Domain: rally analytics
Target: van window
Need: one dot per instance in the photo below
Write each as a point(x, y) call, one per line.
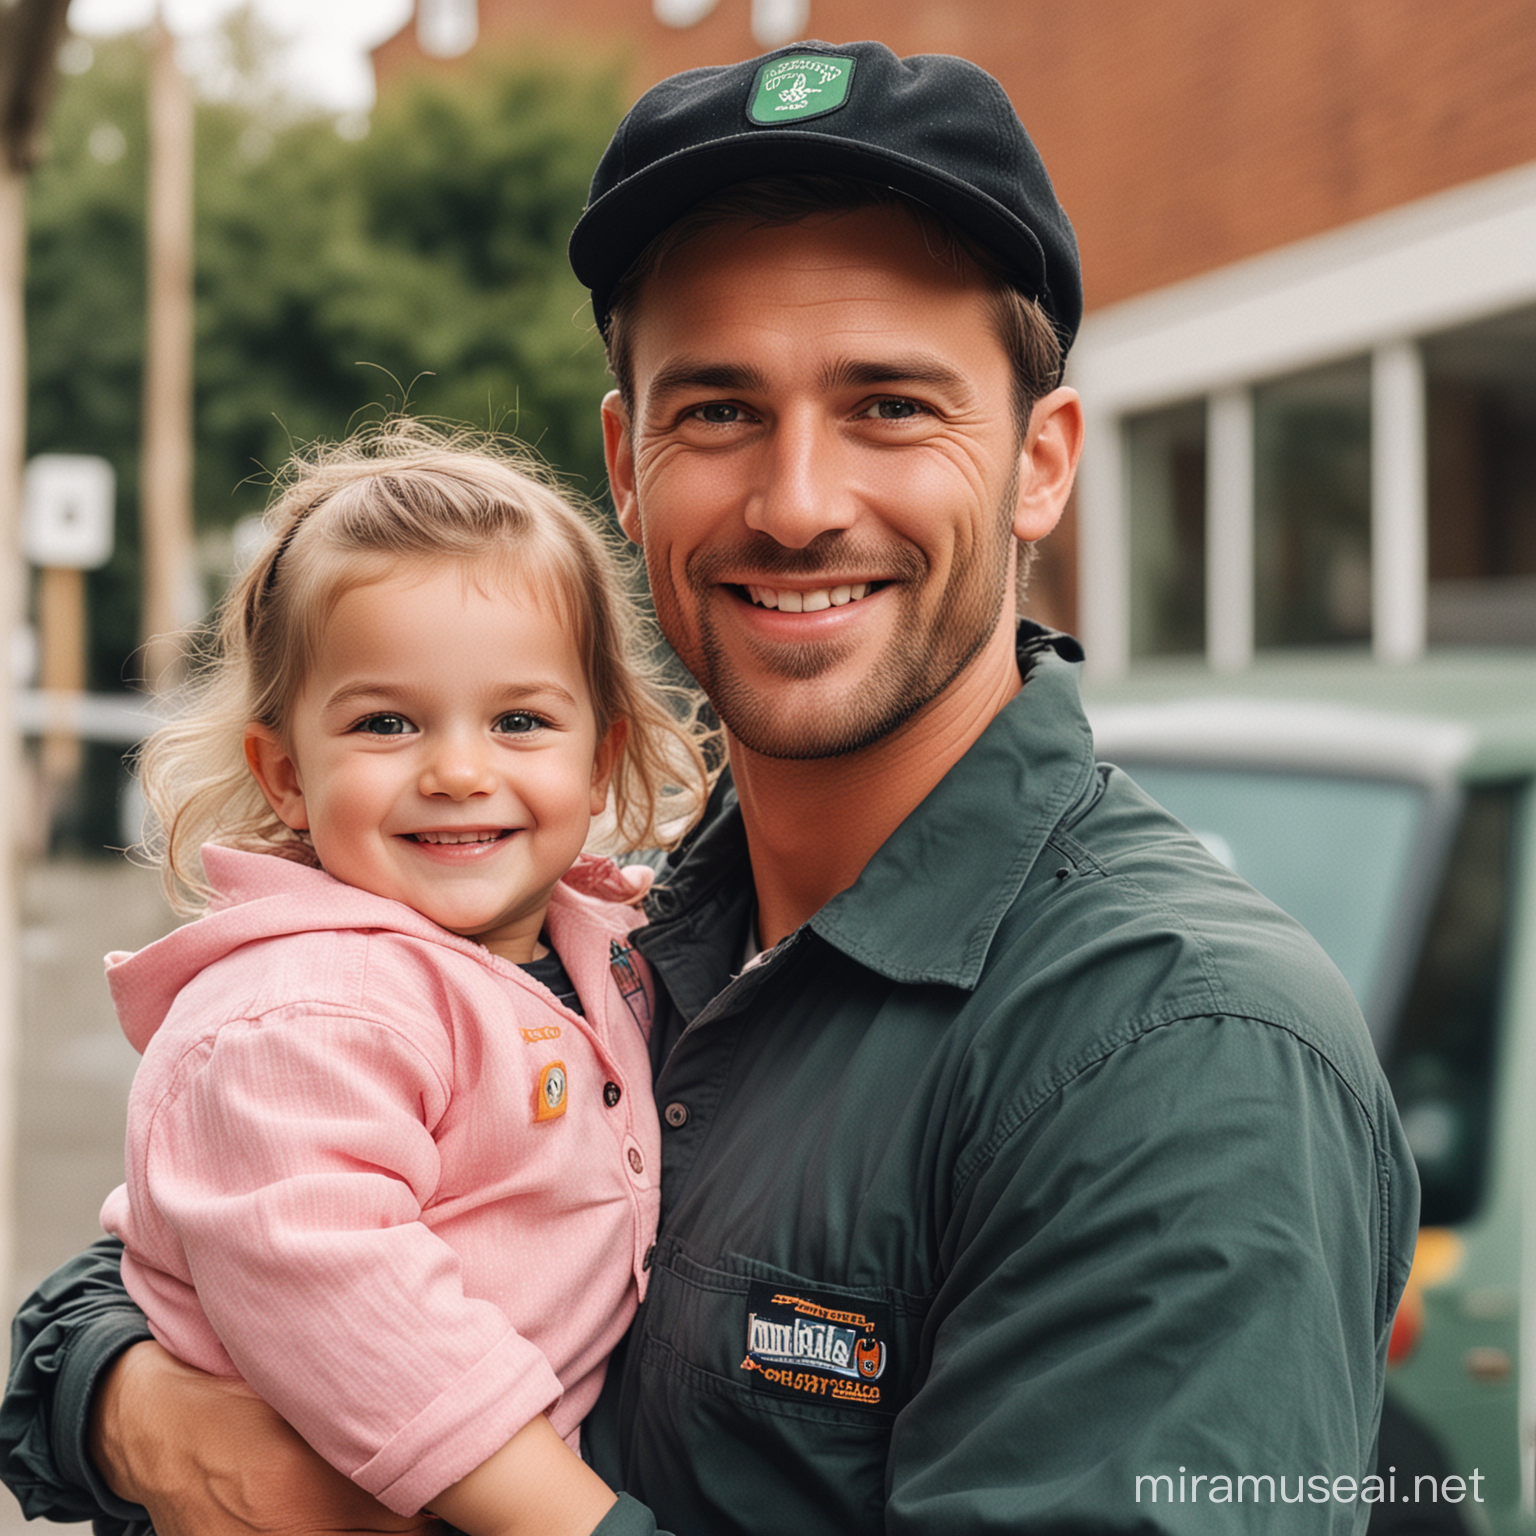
point(1441, 1058)
point(1331, 850)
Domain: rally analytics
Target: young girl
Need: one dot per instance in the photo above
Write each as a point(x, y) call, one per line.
point(392, 1150)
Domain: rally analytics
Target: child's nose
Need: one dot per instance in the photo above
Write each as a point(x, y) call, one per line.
point(458, 768)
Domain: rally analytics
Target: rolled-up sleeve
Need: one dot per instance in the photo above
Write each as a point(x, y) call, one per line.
point(64, 1338)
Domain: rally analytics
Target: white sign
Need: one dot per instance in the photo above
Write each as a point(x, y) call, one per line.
point(67, 505)
point(445, 29)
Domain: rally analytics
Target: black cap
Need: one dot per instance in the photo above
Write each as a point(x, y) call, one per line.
point(940, 129)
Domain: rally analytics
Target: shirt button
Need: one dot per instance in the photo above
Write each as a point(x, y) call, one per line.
point(650, 1253)
point(675, 1115)
point(612, 1093)
point(636, 1161)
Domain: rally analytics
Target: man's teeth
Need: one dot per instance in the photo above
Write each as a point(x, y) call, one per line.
point(456, 837)
point(808, 602)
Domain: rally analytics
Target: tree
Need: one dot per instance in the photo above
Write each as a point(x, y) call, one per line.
point(433, 249)
point(426, 261)
point(85, 312)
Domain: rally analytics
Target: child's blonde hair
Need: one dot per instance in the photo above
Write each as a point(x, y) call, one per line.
point(344, 516)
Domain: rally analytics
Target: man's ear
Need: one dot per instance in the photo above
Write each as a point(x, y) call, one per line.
point(276, 775)
point(604, 761)
point(1048, 463)
point(619, 451)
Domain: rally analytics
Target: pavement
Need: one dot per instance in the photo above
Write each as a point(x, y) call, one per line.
point(75, 1066)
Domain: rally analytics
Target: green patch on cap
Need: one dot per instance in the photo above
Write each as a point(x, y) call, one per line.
point(801, 85)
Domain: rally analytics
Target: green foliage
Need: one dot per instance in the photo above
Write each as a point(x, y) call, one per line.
point(85, 313)
point(424, 262)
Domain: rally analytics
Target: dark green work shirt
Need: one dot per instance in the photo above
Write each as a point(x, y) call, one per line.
point(1046, 1157)
point(1045, 1164)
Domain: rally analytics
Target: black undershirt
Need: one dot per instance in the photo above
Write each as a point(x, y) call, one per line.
point(551, 973)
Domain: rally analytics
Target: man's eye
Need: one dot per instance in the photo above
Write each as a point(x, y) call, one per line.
point(384, 725)
point(894, 410)
point(718, 413)
point(519, 722)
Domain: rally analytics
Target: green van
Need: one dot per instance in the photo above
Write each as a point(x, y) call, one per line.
point(1392, 810)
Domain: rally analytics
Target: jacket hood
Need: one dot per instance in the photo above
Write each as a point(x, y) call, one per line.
point(262, 896)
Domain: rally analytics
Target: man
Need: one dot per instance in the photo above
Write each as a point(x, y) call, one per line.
point(1020, 1164)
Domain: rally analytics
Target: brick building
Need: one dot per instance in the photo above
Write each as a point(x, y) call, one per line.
point(1309, 248)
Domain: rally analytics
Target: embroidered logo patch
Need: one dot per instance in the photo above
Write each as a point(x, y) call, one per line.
point(832, 1351)
point(803, 85)
point(549, 1096)
point(543, 1032)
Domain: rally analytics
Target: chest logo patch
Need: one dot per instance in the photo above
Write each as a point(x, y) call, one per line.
point(832, 1350)
point(549, 1096)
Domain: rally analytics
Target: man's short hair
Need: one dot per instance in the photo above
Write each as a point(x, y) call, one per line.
point(1034, 349)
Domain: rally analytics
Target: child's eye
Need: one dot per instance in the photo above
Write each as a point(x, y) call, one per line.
point(384, 725)
point(519, 722)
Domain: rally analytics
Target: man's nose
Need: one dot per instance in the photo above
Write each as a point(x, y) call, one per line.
point(804, 489)
point(459, 767)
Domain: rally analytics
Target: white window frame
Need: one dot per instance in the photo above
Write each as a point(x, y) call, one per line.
point(1371, 287)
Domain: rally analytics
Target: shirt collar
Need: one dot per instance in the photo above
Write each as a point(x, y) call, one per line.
point(928, 903)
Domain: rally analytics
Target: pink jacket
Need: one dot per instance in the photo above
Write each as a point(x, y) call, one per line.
point(382, 1174)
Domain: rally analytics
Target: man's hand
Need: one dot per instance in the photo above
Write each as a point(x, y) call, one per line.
point(207, 1457)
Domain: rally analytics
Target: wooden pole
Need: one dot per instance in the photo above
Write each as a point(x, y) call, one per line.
point(165, 490)
point(13, 395)
point(61, 641)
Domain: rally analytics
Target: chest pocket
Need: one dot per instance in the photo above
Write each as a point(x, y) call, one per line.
point(794, 1384)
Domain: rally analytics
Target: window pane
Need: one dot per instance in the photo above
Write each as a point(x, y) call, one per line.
point(1165, 475)
point(1481, 383)
point(1312, 507)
